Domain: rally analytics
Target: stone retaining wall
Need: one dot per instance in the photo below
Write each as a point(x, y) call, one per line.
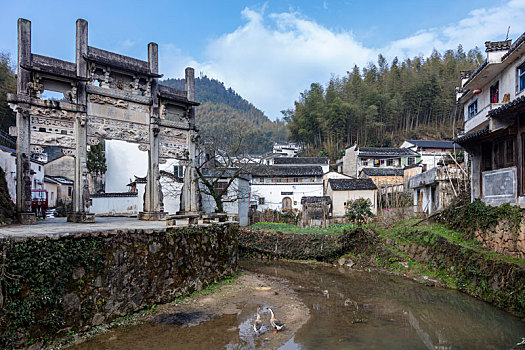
point(297, 246)
point(504, 238)
point(68, 283)
point(478, 273)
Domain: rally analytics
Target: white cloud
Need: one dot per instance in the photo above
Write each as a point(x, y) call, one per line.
point(273, 57)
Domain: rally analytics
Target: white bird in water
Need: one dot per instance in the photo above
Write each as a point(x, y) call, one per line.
point(276, 324)
point(257, 325)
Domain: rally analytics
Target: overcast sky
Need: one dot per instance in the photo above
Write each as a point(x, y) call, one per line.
point(269, 51)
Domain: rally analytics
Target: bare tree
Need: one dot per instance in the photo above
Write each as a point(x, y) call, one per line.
point(222, 160)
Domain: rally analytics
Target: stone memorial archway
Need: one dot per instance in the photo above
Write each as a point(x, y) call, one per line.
point(107, 96)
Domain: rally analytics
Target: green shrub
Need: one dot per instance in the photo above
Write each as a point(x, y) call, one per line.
point(359, 211)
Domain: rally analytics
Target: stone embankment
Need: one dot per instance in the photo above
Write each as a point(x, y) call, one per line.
point(69, 283)
point(483, 274)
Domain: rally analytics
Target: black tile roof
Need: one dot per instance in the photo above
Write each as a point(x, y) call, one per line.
point(433, 143)
point(510, 107)
point(383, 171)
point(472, 136)
point(514, 46)
point(351, 184)
point(385, 152)
point(301, 160)
point(280, 170)
point(476, 72)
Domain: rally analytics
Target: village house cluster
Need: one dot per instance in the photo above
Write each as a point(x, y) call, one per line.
point(116, 99)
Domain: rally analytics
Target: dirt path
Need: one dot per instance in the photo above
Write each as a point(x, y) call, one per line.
point(224, 317)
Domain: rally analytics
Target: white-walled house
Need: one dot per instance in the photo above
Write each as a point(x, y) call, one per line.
point(8, 164)
point(432, 152)
point(58, 189)
point(493, 98)
point(281, 187)
point(286, 149)
point(341, 191)
point(356, 158)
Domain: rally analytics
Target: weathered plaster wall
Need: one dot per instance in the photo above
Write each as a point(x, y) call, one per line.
point(63, 166)
point(73, 282)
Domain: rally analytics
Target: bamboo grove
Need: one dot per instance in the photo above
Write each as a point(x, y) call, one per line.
point(382, 104)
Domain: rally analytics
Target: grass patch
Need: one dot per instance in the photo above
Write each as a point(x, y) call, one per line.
point(427, 233)
point(289, 228)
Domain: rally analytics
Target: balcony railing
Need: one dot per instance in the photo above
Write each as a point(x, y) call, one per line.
point(480, 117)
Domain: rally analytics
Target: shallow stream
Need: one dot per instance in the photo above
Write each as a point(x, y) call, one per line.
point(348, 310)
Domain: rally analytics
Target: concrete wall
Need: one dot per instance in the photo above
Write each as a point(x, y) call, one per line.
point(273, 197)
point(94, 278)
point(350, 162)
point(63, 166)
point(52, 194)
point(340, 198)
point(117, 205)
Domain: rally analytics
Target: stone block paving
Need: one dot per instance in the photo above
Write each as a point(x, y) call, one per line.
point(57, 227)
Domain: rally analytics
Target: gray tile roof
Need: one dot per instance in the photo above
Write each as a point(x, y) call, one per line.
point(512, 106)
point(280, 170)
point(472, 136)
point(301, 160)
point(383, 171)
point(386, 152)
point(433, 143)
point(351, 184)
point(61, 179)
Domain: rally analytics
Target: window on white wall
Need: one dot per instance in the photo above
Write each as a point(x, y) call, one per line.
point(521, 77)
point(473, 109)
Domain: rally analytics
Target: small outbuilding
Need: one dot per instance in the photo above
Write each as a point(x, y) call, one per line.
point(341, 191)
point(316, 211)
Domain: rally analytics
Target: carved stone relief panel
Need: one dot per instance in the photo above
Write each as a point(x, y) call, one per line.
point(51, 113)
point(105, 100)
point(110, 129)
point(46, 139)
point(68, 152)
point(119, 109)
point(174, 113)
point(37, 149)
point(47, 131)
point(172, 151)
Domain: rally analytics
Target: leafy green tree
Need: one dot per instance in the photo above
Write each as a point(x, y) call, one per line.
point(96, 159)
point(382, 104)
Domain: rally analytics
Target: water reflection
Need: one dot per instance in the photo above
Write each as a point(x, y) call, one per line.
point(356, 310)
point(348, 310)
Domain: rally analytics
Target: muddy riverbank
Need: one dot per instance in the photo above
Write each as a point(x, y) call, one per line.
point(213, 320)
point(324, 308)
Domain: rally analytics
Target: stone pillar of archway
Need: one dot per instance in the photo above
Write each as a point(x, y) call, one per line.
point(23, 148)
point(190, 198)
point(81, 197)
point(153, 206)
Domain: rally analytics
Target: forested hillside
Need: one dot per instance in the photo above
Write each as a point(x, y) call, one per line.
point(382, 104)
point(222, 109)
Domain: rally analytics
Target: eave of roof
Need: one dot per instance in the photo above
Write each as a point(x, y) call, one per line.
point(462, 140)
point(509, 107)
point(351, 184)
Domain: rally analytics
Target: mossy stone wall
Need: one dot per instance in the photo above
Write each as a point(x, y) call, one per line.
point(59, 285)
